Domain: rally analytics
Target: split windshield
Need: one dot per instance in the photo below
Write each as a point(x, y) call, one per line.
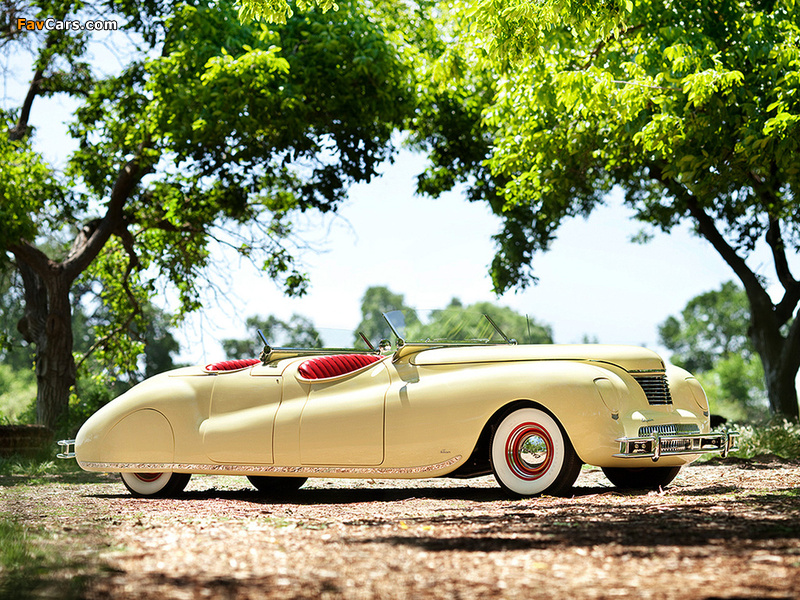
point(448, 325)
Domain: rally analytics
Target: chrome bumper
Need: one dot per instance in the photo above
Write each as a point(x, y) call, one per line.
point(656, 445)
point(67, 449)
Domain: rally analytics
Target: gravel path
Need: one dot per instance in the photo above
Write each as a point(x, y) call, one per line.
point(728, 530)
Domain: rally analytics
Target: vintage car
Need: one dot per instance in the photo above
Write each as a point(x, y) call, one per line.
point(529, 414)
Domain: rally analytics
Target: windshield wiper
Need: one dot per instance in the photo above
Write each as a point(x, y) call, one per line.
point(498, 330)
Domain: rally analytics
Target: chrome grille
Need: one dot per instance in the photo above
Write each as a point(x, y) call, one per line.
point(671, 429)
point(655, 388)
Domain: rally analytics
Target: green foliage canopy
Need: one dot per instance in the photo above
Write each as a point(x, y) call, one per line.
point(691, 108)
point(213, 132)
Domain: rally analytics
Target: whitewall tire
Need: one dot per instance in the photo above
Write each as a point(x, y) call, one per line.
point(531, 454)
point(157, 485)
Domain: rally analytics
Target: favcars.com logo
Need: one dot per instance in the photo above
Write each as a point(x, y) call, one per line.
point(69, 25)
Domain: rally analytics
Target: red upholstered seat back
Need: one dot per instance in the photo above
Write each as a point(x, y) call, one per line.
point(323, 367)
point(232, 365)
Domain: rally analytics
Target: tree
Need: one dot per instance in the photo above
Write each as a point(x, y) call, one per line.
point(98, 378)
point(297, 332)
point(456, 322)
point(512, 25)
point(711, 327)
point(709, 338)
point(376, 301)
point(691, 108)
point(213, 132)
point(459, 322)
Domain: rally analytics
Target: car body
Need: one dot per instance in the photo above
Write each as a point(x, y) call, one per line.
point(530, 414)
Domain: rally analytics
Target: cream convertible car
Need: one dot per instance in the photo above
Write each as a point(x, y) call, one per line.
point(530, 414)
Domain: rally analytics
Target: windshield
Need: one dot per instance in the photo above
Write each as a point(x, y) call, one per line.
point(449, 325)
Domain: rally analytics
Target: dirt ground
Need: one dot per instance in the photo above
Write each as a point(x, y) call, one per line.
point(725, 530)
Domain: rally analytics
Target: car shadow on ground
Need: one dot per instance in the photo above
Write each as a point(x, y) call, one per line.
point(356, 495)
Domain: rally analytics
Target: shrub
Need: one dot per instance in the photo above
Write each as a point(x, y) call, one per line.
point(778, 437)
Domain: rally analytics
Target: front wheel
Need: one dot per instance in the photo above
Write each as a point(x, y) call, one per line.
point(648, 478)
point(531, 454)
point(155, 485)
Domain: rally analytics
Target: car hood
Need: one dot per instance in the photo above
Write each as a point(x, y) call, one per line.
point(630, 358)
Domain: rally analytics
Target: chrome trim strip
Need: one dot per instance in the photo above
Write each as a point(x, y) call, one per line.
point(307, 470)
point(669, 429)
point(657, 444)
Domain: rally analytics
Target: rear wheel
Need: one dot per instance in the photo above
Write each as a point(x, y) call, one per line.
point(648, 478)
point(276, 485)
point(531, 454)
point(155, 485)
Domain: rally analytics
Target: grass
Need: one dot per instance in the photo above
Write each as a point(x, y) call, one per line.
point(39, 561)
point(24, 471)
point(17, 393)
point(30, 566)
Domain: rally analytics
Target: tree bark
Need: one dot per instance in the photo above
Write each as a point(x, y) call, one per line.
point(47, 324)
point(780, 357)
point(779, 353)
point(55, 365)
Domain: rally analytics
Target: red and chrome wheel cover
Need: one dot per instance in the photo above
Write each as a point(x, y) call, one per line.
point(148, 477)
point(529, 451)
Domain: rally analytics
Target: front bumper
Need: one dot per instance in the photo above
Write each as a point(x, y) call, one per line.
point(657, 444)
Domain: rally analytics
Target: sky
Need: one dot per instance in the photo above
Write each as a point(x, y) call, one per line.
point(592, 282)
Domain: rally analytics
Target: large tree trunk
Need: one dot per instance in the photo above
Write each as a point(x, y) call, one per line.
point(781, 391)
point(55, 365)
point(780, 357)
point(47, 324)
point(779, 354)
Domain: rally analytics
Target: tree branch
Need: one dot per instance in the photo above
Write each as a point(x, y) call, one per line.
point(602, 44)
point(18, 132)
point(708, 229)
point(85, 250)
point(775, 241)
point(133, 264)
point(29, 255)
point(791, 297)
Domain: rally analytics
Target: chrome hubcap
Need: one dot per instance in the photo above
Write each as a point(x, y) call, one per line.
point(529, 451)
point(533, 452)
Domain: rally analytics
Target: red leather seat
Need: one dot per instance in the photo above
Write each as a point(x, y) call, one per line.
point(232, 365)
point(323, 367)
